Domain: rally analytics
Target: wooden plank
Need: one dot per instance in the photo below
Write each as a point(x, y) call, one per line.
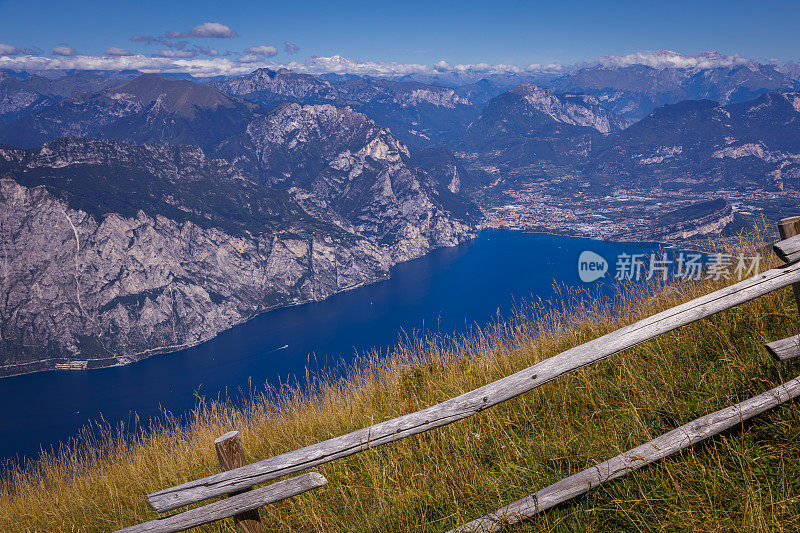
point(479, 399)
point(234, 505)
point(788, 228)
point(658, 448)
point(785, 349)
point(230, 453)
point(788, 250)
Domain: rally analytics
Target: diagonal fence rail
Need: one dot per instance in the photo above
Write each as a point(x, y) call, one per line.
point(676, 440)
point(236, 480)
point(476, 400)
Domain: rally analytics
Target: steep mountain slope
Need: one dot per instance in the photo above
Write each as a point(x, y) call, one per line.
point(22, 94)
point(148, 108)
point(357, 168)
point(112, 252)
point(445, 168)
point(634, 91)
point(529, 124)
point(535, 107)
point(702, 145)
point(417, 113)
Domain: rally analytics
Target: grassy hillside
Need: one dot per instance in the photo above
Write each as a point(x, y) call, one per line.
point(744, 480)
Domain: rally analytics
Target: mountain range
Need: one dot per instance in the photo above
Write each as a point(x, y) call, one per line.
point(143, 213)
point(703, 145)
point(133, 249)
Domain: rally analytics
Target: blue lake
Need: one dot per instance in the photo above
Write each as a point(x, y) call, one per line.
point(445, 291)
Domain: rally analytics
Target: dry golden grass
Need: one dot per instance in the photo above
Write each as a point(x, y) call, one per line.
point(743, 480)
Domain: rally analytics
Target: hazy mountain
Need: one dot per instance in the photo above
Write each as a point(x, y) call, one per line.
point(288, 146)
point(22, 93)
point(531, 124)
point(19, 95)
point(472, 75)
point(634, 91)
point(417, 113)
point(148, 108)
point(703, 145)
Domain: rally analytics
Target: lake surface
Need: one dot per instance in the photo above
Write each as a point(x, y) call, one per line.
point(446, 291)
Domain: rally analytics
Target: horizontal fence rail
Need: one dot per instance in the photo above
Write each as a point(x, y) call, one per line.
point(788, 250)
point(479, 399)
point(785, 349)
point(658, 448)
point(234, 505)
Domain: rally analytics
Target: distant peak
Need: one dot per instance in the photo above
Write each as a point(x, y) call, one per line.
point(182, 97)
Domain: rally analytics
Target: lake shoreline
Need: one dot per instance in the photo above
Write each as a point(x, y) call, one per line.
point(128, 359)
point(446, 292)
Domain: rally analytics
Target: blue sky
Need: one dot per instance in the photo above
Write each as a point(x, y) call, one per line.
point(498, 31)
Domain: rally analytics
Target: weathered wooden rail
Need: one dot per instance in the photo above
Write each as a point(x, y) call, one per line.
point(624, 463)
point(237, 478)
point(479, 399)
point(234, 505)
point(785, 349)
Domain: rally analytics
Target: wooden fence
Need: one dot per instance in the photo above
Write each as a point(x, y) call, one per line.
point(236, 477)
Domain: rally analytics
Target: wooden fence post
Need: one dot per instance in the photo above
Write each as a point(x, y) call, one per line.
point(790, 227)
point(230, 453)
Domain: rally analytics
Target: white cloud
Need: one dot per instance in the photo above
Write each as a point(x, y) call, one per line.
point(290, 48)
point(342, 65)
point(670, 59)
point(114, 51)
point(65, 51)
point(213, 30)
point(190, 61)
point(8, 50)
point(263, 51)
point(195, 66)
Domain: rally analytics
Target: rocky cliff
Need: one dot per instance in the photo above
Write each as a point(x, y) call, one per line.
point(111, 252)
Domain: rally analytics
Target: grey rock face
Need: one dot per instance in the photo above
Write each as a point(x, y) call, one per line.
point(577, 109)
point(123, 288)
point(345, 161)
point(111, 252)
